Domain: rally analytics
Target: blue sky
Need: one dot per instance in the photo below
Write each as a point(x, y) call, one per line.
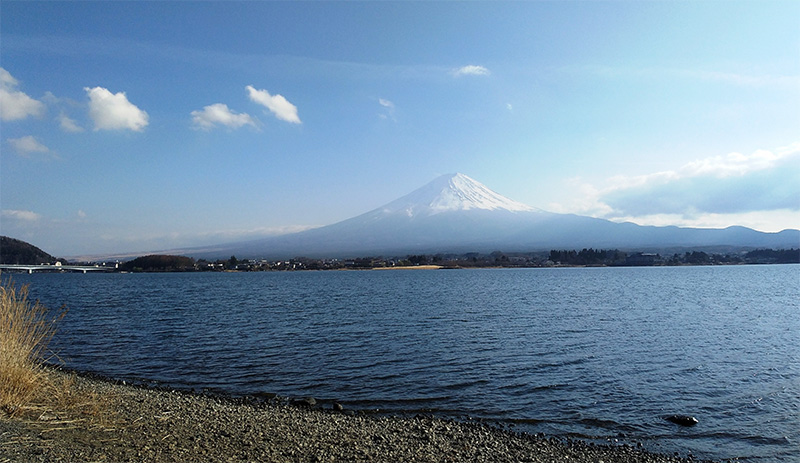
point(132, 127)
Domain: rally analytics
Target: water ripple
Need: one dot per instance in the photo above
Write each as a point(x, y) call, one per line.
point(577, 352)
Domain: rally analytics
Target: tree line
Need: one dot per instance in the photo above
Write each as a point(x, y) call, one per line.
point(563, 257)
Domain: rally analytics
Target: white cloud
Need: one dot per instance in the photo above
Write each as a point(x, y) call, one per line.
point(15, 105)
point(388, 111)
point(7, 80)
point(471, 70)
point(23, 216)
point(113, 111)
point(81, 214)
point(737, 164)
point(69, 125)
point(706, 192)
point(27, 145)
point(220, 114)
point(277, 104)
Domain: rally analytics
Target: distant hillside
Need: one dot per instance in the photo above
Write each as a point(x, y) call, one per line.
point(13, 251)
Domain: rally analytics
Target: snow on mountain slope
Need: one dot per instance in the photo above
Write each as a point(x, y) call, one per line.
point(452, 192)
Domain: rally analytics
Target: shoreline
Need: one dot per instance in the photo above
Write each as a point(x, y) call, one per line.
point(144, 424)
point(409, 267)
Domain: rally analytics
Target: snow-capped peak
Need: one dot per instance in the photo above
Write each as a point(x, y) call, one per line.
point(452, 192)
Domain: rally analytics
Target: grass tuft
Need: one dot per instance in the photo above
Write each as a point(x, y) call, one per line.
point(25, 331)
point(28, 388)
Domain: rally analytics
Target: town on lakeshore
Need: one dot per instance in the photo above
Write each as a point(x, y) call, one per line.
point(16, 255)
point(555, 258)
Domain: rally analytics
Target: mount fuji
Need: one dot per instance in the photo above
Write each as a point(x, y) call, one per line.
point(456, 214)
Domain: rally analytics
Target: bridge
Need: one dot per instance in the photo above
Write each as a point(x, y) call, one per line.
point(55, 268)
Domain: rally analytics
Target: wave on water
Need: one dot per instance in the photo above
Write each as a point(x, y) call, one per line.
point(589, 353)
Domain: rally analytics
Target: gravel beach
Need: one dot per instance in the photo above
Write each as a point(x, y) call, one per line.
point(160, 425)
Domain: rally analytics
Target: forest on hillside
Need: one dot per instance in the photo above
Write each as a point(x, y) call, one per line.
point(18, 252)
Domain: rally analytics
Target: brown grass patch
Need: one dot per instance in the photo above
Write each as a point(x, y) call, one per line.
point(29, 389)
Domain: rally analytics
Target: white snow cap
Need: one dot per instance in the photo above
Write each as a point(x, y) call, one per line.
point(453, 192)
point(463, 193)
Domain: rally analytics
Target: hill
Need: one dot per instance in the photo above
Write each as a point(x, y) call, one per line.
point(14, 251)
point(159, 263)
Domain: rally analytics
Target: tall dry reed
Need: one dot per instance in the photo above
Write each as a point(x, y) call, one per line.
point(25, 331)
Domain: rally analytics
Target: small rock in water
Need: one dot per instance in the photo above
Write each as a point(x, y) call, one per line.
point(265, 396)
point(304, 402)
point(683, 420)
point(337, 406)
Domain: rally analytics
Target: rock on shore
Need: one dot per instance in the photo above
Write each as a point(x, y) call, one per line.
point(155, 426)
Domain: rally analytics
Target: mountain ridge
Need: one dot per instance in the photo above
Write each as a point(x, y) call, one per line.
point(454, 213)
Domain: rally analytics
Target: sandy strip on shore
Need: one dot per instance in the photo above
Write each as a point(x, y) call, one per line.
point(166, 426)
point(409, 267)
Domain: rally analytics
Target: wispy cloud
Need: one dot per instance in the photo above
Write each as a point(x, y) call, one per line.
point(742, 79)
point(62, 105)
point(22, 216)
point(268, 64)
point(28, 145)
point(219, 114)
point(177, 242)
point(471, 70)
point(68, 124)
point(14, 104)
point(388, 111)
point(277, 104)
point(250, 233)
point(113, 111)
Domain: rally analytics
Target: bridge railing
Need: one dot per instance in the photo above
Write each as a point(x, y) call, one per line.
point(57, 268)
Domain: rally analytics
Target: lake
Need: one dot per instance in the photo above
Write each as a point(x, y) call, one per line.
point(592, 353)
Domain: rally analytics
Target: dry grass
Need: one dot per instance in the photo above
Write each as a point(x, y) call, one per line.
point(25, 331)
point(28, 389)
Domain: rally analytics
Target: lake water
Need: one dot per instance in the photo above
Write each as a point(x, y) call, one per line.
point(594, 353)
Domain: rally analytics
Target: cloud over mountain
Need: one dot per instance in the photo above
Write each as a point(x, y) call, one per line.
point(113, 111)
point(734, 183)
